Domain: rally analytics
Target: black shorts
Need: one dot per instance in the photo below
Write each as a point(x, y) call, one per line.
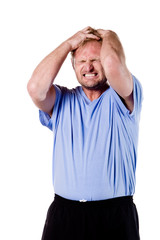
point(112, 219)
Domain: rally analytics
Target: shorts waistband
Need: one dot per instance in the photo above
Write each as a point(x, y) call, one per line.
point(107, 202)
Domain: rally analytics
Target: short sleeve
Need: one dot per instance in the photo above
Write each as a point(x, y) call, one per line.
point(137, 96)
point(45, 118)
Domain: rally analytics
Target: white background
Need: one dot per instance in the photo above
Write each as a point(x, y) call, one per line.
point(29, 31)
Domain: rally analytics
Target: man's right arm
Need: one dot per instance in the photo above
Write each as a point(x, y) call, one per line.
point(40, 86)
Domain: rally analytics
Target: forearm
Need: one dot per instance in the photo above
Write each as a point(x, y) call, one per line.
point(112, 47)
point(45, 73)
point(113, 62)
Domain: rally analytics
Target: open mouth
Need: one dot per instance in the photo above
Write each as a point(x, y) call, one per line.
point(90, 75)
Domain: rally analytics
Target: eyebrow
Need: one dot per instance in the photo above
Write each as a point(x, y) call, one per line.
point(92, 59)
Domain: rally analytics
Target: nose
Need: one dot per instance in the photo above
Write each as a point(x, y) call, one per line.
point(89, 67)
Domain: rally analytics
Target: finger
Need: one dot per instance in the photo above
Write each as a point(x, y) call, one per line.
point(103, 32)
point(100, 31)
point(88, 31)
point(92, 36)
point(86, 28)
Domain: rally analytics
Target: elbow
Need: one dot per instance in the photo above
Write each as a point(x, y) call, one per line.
point(31, 88)
point(34, 91)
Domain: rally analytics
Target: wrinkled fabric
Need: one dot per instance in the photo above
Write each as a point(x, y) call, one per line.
point(94, 143)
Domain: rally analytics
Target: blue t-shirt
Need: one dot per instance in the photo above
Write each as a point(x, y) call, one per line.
point(94, 143)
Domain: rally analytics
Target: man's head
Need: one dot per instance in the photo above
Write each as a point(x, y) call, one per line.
point(87, 65)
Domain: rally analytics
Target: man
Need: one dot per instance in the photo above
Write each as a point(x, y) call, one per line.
point(95, 128)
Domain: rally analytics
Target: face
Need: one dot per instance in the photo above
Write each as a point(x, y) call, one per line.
point(88, 67)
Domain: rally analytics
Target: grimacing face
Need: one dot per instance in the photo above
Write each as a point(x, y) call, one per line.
point(88, 67)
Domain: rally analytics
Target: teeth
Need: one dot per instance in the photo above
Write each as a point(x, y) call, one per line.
point(90, 75)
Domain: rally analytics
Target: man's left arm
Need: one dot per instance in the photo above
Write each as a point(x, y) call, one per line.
point(116, 71)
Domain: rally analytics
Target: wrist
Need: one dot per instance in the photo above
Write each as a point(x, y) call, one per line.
point(70, 44)
point(67, 45)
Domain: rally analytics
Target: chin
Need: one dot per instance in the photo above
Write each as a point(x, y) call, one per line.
point(96, 86)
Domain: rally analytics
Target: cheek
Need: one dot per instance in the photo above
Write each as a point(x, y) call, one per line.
point(98, 66)
point(78, 70)
point(99, 69)
point(78, 73)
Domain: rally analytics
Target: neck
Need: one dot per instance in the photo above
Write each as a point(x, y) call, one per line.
point(93, 94)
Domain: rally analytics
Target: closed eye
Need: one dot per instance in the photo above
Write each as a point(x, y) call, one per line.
point(95, 60)
point(81, 61)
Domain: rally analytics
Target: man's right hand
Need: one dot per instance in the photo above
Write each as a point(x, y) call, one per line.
point(77, 39)
point(40, 86)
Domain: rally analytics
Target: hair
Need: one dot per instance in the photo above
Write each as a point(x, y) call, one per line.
point(92, 31)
